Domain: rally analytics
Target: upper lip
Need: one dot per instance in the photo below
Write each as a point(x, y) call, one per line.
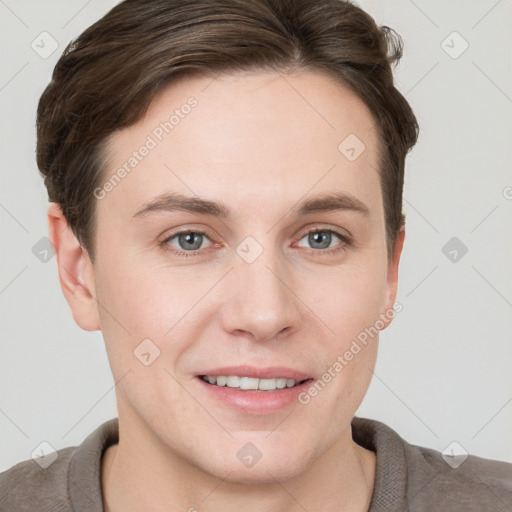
point(270, 372)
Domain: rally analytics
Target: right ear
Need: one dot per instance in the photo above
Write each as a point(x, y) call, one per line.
point(76, 273)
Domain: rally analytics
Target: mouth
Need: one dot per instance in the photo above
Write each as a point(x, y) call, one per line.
point(251, 390)
point(245, 383)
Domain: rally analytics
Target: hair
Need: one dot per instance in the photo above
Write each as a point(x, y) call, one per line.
point(107, 77)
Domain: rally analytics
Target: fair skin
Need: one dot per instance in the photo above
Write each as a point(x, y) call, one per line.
point(254, 144)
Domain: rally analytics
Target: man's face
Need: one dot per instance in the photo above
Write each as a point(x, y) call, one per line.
point(254, 294)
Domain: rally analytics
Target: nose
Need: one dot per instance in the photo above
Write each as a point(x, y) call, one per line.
point(262, 304)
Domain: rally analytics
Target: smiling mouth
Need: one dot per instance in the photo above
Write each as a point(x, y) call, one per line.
point(251, 383)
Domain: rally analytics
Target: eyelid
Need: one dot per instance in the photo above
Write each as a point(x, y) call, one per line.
point(341, 232)
point(188, 229)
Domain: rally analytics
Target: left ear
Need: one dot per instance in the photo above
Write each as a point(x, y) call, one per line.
point(392, 281)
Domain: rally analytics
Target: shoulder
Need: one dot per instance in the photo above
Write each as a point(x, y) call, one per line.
point(420, 479)
point(456, 482)
point(63, 481)
point(30, 486)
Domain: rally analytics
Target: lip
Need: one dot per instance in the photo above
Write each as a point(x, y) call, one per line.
point(255, 402)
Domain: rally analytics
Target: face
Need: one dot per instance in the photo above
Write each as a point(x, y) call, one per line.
point(244, 241)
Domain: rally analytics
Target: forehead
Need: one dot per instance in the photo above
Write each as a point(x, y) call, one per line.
point(249, 138)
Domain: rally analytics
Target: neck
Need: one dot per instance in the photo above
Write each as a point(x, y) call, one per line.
point(142, 476)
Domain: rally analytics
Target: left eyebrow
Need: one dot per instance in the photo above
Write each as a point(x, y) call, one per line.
point(169, 202)
point(332, 202)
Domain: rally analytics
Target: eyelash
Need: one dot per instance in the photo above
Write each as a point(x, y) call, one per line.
point(346, 241)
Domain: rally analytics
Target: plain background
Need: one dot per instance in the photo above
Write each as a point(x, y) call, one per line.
point(444, 367)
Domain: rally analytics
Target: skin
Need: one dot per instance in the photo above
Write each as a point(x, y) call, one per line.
point(255, 144)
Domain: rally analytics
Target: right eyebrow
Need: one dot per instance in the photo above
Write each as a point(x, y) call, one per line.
point(169, 202)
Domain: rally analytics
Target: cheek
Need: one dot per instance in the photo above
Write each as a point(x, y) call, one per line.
point(131, 307)
point(348, 299)
point(146, 300)
point(143, 302)
point(350, 306)
point(145, 312)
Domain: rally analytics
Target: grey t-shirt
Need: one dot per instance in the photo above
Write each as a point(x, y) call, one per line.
point(408, 477)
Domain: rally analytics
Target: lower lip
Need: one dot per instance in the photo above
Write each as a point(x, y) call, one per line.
point(252, 401)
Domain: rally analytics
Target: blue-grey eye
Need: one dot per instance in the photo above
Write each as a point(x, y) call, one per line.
point(321, 239)
point(188, 240)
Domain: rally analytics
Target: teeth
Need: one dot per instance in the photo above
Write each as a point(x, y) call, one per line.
point(233, 381)
point(267, 384)
point(249, 383)
point(281, 383)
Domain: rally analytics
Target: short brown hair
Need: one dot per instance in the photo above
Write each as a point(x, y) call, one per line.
point(107, 77)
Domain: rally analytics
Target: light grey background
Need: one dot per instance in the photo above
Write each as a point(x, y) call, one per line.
point(444, 368)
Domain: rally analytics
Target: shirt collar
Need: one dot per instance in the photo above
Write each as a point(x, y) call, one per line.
point(390, 489)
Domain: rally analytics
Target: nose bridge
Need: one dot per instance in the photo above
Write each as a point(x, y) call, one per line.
point(260, 302)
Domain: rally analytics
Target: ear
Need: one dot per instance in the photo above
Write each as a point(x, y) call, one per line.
point(76, 273)
point(392, 280)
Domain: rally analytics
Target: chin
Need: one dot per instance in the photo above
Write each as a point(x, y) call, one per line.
point(273, 463)
point(262, 473)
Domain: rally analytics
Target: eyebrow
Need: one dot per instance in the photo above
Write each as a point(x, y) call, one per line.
point(328, 202)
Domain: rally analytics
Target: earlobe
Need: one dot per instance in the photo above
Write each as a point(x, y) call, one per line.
point(75, 269)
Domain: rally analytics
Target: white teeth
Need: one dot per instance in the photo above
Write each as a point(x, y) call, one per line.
point(280, 383)
point(233, 381)
point(267, 384)
point(248, 383)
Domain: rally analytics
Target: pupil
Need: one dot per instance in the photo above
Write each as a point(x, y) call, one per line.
point(189, 238)
point(317, 238)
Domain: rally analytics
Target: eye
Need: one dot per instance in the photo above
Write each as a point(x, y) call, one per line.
point(322, 238)
point(185, 243)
